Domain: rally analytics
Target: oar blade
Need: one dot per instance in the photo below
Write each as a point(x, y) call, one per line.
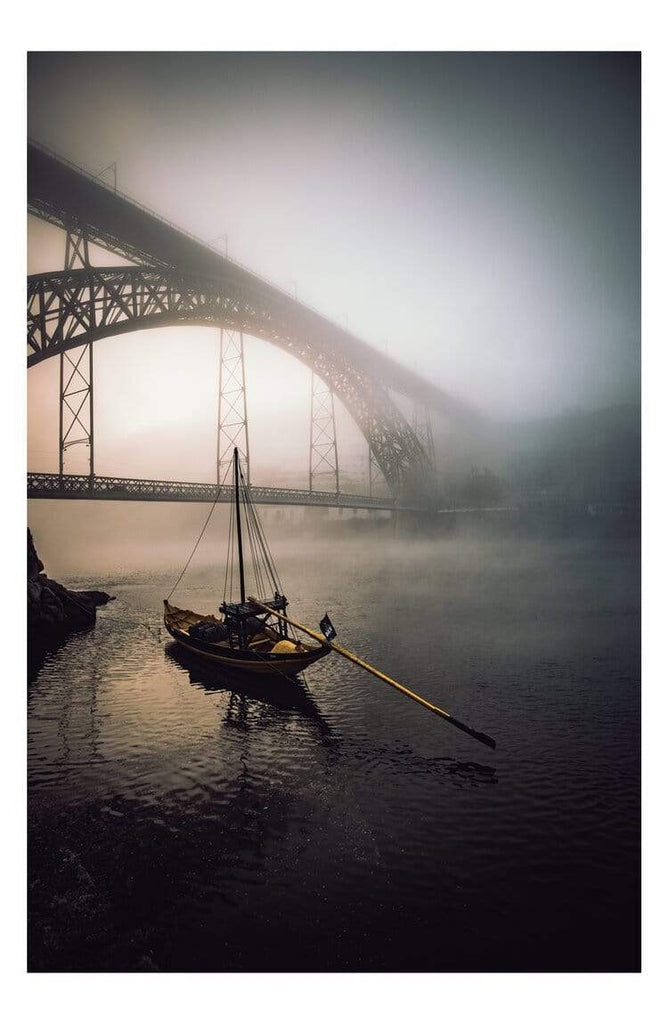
point(482, 737)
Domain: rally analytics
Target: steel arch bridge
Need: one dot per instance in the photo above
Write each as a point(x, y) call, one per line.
point(176, 279)
point(75, 307)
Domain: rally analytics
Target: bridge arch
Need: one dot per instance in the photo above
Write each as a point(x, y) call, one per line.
point(75, 307)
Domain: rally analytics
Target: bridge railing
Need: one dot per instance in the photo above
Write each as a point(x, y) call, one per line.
point(112, 488)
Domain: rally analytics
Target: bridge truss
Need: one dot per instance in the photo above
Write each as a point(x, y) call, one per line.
point(176, 279)
point(232, 413)
point(323, 450)
point(77, 307)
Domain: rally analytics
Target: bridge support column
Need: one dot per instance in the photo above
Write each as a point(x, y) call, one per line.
point(323, 451)
point(232, 413)
point(425, 435)
point(76, 422)
point(76, 404)
point(376, 476)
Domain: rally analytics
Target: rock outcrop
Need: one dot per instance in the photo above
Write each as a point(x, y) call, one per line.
point(53, 610)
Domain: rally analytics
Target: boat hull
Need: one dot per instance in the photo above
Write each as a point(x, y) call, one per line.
point(246, 661)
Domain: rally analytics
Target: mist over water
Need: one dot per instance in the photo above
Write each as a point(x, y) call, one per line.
point(202, 823)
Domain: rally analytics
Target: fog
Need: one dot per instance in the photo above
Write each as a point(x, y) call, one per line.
point(474, 215)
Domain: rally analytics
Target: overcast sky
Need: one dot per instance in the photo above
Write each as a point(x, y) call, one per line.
point(478, 215)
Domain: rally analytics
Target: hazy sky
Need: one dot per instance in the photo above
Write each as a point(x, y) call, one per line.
point(476, 214)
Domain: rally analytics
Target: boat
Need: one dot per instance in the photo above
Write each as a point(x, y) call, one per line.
point(253, 636)
point(249, 636)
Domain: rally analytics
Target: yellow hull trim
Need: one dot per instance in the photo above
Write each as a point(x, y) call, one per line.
point(284, 667)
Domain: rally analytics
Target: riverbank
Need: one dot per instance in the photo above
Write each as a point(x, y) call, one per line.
point(53, 610)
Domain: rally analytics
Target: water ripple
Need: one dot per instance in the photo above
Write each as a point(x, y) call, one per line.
point(331, 823)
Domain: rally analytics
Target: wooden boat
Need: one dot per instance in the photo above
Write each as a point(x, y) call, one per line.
point(267, 651)
point(246, 637)
point(257, 637)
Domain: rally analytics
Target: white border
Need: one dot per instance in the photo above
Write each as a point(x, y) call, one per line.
point(299, 26)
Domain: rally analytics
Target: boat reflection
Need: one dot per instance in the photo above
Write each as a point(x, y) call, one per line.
point(273, 698)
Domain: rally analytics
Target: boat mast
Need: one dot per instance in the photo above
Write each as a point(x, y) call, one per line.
point(241, 549)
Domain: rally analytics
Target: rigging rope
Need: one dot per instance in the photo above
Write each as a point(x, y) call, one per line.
point(257, 567)
point(264, 567)
point(261, 538)
point(229, 561)
point(260, 567)
point(206, 523)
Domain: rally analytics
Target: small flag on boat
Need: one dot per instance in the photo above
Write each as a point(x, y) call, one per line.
point(327, 628)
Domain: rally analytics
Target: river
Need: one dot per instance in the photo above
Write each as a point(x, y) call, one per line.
point(181, 822)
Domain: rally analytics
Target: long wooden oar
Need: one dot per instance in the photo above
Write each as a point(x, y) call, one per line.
point(480, 736)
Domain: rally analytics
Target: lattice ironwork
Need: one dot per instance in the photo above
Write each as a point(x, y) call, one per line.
point(76, 402)
point(323, 451)
point(76, 374)
point(376, 478)
point(232, 413)
point(221, 293)
point(423, 431)
point(111, 488)
point(76, 249)
point(72, 307)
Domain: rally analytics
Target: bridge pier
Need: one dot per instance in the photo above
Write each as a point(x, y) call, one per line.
point(423, 431)
point(376, 475)
point(232, 411)
point(323, 451)
point(75, 402)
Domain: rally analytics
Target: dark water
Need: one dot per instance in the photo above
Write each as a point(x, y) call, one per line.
point(180, 823)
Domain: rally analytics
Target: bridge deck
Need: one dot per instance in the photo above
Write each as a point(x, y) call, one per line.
point(112, 488)
point(63, 194)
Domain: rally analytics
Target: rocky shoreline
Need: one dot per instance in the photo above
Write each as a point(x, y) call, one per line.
point(53, 610)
